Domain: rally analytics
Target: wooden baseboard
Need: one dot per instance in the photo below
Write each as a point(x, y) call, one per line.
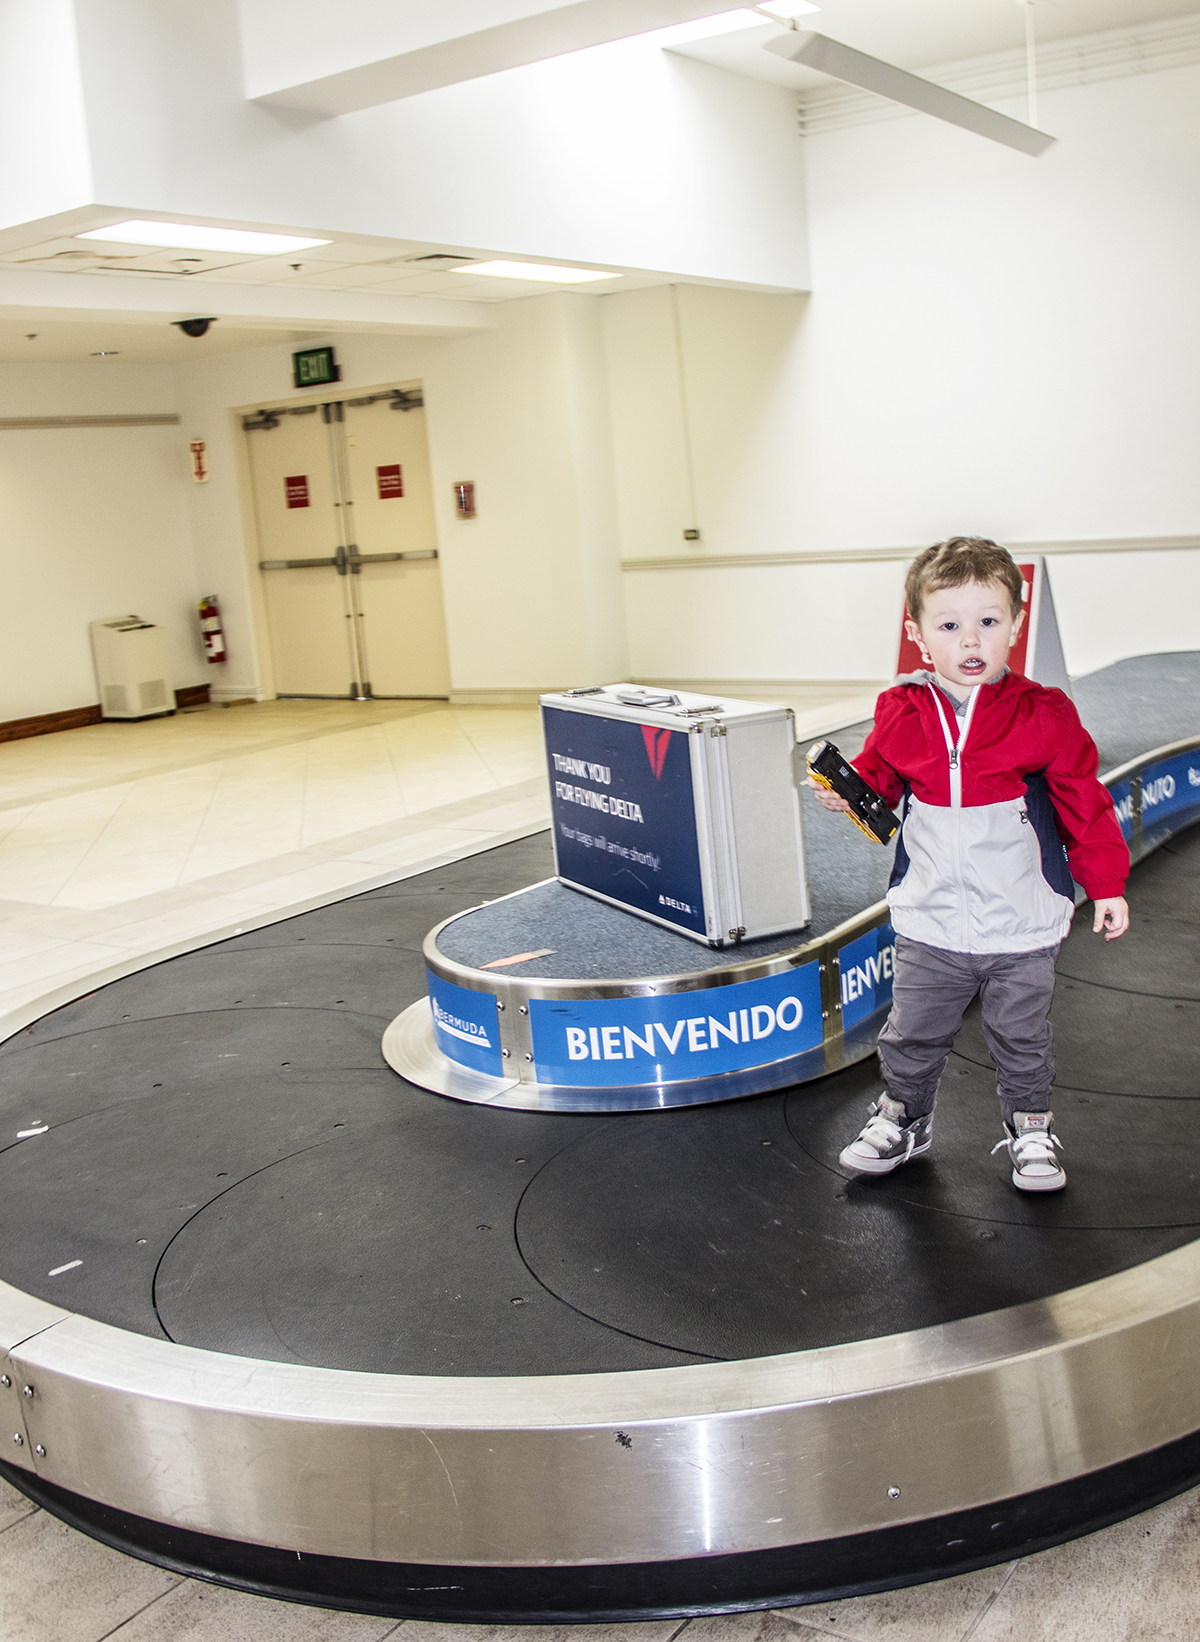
point(193, 695)
point(72, 718)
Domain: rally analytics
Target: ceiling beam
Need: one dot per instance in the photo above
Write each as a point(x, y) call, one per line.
point(855, 68)
point(155, 301)
point(552, 32)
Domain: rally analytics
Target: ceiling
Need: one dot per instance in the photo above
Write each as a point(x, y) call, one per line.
point(386, 267)
point(105, 342)
point(916, 34)
point(376, 267)
point(919, 33)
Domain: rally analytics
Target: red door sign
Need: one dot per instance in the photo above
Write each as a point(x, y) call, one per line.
point(296, 489)
point(390, 481)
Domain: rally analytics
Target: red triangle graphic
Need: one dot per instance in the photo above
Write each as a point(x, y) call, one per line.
point(657, 744)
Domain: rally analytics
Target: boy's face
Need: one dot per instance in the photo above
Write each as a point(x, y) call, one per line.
point(965, 633)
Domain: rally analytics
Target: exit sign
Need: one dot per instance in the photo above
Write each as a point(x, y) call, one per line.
point(313, 367)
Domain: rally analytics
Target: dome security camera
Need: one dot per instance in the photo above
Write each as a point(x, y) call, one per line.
point(194, 327)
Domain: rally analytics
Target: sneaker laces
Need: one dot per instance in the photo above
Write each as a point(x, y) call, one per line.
point(1034, 1146)
point(882, 1133)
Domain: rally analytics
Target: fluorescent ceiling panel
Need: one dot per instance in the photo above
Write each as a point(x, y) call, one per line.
point(186, 236)
point(543, 271)
point(870, 74)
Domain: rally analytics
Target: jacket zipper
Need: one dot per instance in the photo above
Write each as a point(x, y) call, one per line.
point(955, 750)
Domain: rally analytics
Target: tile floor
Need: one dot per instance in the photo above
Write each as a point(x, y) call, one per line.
point(1135, 1582)
point(127, 838)
point(120, 839)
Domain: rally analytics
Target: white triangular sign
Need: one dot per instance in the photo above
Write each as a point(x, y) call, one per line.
point(1044, 659)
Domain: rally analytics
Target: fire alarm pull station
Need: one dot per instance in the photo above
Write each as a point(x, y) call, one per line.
point(464, 499)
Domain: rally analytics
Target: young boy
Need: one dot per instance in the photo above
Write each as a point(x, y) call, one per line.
point(1003, 808)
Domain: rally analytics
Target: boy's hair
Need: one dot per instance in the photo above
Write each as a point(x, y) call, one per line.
point(955, 561)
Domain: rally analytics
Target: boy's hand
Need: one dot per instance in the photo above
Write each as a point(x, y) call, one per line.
point(1112, 916)
point(831, 800)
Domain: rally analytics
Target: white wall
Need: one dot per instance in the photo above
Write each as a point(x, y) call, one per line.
point(623, 154)
point(770, 623)
point(993, 344)
point(41, 113)
point(531, 586)
point(93, 523)
point(705, 419)
point(1007, 341)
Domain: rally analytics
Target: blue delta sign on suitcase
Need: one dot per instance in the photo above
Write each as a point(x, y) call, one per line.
point(679, 808)
point(624, 814)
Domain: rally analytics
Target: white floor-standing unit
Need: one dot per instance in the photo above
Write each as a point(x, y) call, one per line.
point(131, 668)
point(681, 808)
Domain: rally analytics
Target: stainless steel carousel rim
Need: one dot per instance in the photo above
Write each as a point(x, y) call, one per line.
point(410, 1048)
point(820, 948)
point(33, 1329)
point(726, 1457)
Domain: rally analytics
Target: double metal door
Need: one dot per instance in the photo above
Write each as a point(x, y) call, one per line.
point(345, 517)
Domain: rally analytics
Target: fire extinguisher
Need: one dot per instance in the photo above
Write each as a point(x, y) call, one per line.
point(210, 628)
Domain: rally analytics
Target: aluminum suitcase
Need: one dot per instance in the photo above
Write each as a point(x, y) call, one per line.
point(680, 808)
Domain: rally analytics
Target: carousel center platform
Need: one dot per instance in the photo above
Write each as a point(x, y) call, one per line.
point(272, 1314)
point(550, 1000)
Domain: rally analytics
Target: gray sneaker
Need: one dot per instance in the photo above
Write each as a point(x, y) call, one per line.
point(887, 1141)
point(1033, 1147)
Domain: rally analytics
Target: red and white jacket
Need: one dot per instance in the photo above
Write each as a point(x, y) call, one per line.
point(1004, 808)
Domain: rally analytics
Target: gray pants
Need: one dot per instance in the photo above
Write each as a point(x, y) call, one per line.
point(932, 990)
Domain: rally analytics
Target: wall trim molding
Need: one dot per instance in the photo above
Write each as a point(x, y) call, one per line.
point(168, 419)
point(823, 687)
point(891, 555)
point(71, 718)
point(504, 696)
point(1085, 60)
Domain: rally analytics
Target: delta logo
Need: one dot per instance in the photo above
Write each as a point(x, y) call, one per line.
point(658, 744)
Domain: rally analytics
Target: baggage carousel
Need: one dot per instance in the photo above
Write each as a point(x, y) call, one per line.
point(275, 1316)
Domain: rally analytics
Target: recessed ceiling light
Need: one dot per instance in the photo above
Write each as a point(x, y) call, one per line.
point(106, 353)
point(186, 236)
point(536, 270)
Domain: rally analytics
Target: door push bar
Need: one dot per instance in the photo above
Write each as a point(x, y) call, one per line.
point(345, 560)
